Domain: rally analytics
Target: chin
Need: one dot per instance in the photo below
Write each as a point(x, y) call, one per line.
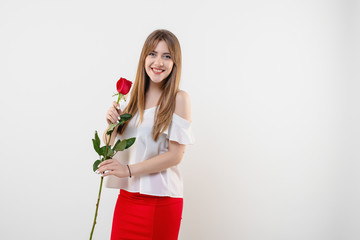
point(156, 80)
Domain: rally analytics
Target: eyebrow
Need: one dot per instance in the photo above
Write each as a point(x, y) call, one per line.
point(164, 53)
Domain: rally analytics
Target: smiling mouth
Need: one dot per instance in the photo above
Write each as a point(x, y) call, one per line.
point(157, 71)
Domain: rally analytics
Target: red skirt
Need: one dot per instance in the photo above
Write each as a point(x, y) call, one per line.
point(144, 217)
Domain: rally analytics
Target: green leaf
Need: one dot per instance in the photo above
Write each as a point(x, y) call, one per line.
point(96, 164)
point(110, 152)
point(96, 147)
point(102, 151)
point(125, 116)
point(121, 146)
point(111, 128)
point(96, 143)
point(117, 143)
point(129, 142)
point(97, 139)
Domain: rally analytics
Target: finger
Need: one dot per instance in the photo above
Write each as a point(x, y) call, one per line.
point(112, 118)
point(116, 105)
point(108, 173)
point(109, 115)
point(115, 113)
point(102, 170)
point(106, 169)
point(105, 162)
point(110, 166)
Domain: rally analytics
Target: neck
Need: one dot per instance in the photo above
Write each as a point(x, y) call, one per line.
point(154, 87)
point(152, 95)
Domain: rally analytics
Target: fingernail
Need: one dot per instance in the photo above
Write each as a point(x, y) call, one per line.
point(119, 118)
point(118, 107)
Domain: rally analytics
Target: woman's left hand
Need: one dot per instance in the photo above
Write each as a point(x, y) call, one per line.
point(113, 167)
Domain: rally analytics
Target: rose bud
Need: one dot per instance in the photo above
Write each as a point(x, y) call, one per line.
point(123, 86)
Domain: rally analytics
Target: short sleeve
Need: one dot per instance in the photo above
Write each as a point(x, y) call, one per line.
point(180, 130)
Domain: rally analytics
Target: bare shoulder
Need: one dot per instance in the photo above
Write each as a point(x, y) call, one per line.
point(182, 105)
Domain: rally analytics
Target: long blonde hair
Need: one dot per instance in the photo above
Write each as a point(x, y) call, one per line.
point(170, 85)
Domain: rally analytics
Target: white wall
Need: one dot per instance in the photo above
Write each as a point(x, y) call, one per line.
point(274, 88)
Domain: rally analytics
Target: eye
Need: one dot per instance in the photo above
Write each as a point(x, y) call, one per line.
point(168, 56)
point(152, 54)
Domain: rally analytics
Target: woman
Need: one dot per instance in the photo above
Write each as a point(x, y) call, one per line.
point(150, 202)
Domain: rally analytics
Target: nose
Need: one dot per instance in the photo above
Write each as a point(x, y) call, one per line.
point(159, 61)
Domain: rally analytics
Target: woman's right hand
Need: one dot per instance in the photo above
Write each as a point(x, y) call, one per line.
point(113, 114)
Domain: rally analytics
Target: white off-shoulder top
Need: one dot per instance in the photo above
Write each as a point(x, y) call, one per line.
point(166, 183)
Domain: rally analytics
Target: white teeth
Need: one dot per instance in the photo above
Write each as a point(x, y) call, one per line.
point(155, 70)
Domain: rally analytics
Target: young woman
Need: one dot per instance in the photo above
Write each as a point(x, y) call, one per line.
point(150, 202)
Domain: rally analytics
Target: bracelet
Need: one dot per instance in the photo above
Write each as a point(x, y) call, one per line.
point(129, 169)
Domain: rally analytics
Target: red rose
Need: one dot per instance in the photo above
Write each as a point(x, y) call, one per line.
point(123, 86)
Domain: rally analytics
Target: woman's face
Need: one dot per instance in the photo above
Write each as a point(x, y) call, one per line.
point(158, 64)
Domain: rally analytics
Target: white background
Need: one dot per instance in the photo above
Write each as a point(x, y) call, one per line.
point(275, 109)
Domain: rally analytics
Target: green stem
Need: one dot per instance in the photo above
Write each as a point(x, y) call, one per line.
point(101, 183)
point(97, 207)
point(120, 96)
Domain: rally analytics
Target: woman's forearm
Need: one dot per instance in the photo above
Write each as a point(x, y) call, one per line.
point(158, 163)
point(152, 165)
